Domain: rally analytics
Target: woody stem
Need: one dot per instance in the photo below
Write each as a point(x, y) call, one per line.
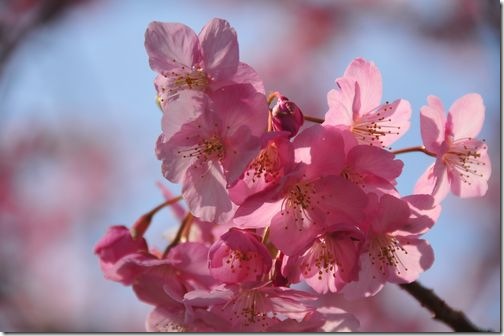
point(183, 229)
point(313, 119)
point(414, 149)
point(440, 310)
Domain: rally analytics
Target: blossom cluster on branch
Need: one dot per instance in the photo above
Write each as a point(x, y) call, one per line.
point(279, 214)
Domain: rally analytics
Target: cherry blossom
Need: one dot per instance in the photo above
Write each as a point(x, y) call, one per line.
point(208, 154)
point(355, 103)
point(393, 250)
point(238, 256)
point(204, 62)
point(462, 163)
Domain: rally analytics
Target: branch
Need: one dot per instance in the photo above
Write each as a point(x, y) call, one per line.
point(442, 312)
point(413, 149)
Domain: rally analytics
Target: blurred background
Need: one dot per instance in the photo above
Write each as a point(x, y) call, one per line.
point(78, 124)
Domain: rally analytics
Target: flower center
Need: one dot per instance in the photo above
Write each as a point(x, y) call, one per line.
point(353, 177)
point(323, 259)
point(246, 262)
point(298, 201)
point(384, 252)
point(464, 156)
point(266, 164)
point(248, 309)
point(185, 78)
point(371, 128)
point(207, 149)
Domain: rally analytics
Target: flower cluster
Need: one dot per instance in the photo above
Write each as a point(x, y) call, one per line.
point(273, 205)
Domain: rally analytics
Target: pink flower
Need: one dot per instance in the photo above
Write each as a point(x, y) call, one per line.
point(356, 104)
point(115, 245)
point(328, 264)
point(393, 250)
point(274, 160)
point(238, 257)
point(252, 309)
point(462, 162)
point(204, 63)
point(371, 168)
point(209, 153)
point(308, 199)
point(286, 116)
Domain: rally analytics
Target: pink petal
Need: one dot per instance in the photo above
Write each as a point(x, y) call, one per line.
point(170, 46)
point(243, 148)
point(375, 161)
point(190, 257)
point(418, 259)
point(290, 236)
point(434, 181)
point(219, 47)
point(239, 105)
point(340, 102)
point(320, 140)
point(369, 283)
point(244, 74)
point(173, 166)
point(338, 320)
point(424, 213)
point(204, 189)
point(257, 212)
point(189, 106)
point(466, 116)
point(474, 183)
point(392, 214)
point(432, 124)
point(370, 83)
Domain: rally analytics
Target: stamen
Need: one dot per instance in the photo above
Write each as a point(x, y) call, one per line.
point(372, 127)
point(464, 156)
point(187, 78)
point(299, 201)
point(384, 252)
point(266, 164)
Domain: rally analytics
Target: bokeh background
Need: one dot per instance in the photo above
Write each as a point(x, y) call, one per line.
point(78, 124)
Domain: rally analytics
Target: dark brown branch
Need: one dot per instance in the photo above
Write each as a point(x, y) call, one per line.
point(441, 311)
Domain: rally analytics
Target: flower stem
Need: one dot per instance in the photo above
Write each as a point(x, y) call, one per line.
point(183, 229)
point(441, 311)
point(313, 119)
point(142, 224)
point(414, 149)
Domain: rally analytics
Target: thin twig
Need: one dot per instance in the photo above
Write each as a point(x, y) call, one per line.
point(313, 119)
point(414, 149)
point(187, 221)
point(441, 311)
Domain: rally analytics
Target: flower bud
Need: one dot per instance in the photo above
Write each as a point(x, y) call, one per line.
point(287, 116)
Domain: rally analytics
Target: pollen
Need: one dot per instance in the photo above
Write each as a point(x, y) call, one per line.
point(185, 78)
point(323, 259)
point(249, 309)
point(206, 149)
point(354, 177)
point(298, 202)
point(464, 156)
point(386, 252)
point(371, 128)
point(266, 165)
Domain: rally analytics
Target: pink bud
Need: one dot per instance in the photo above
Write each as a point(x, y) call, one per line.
point(238, 256)
point(114, 246)
point(287, 116)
